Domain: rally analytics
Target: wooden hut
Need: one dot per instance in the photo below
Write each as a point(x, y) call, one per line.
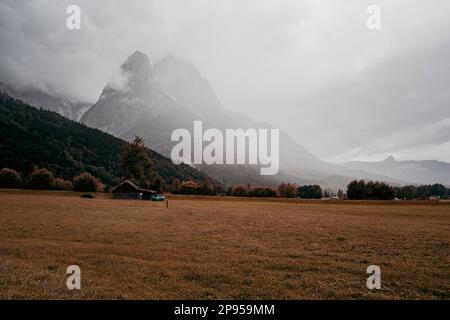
point(128, 190)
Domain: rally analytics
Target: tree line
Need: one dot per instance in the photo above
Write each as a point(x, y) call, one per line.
point(374, 190)
point(284, 190)
point(40, 149)
point(43, 179)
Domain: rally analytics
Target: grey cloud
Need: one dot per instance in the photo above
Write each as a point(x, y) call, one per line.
point(309, 67)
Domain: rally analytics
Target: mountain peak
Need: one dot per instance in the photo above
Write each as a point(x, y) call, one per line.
point(138, 55)
point(183, 81)
point(136, 62)
point(390, 159)
point(136, 73)
point(177, 65)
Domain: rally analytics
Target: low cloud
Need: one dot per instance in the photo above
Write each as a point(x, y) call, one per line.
point(309, 67)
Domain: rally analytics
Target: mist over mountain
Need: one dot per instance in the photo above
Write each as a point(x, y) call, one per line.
point(419, 172)
point(183, 81)
point(153, 101)
point(41, 99)
point(342, 91)
point(132, 103)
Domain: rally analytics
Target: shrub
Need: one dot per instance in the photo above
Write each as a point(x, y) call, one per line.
point(360, 190)
point(9, 178)
point(287, 190)
point(85, 182)
point(61, 184)
point(262, 192)
point(206, 188)
point(189, 187)
point(41, 179)
point(240, 191)
point(176, 184)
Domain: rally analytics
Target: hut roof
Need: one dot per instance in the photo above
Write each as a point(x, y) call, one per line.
point(133, 186)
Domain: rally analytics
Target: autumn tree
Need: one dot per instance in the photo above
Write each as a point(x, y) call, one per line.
point(157, 183)
point(85, 182)
point(176, 184)
point(287, 190)
point(41, 179)
point(61, 184)
point(136, 163)
point(262, 192)
point(189, 187)
point(240, 190)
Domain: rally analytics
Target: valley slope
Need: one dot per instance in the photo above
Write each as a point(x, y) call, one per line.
point(31, 138)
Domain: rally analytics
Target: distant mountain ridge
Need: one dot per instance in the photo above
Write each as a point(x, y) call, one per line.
point(418, 172)
point(141, 106)
point(41, 99)
point(153, 101)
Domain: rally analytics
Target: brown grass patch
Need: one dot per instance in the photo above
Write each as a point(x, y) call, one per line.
point(215, 248)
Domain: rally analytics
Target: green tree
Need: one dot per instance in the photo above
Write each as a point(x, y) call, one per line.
point(379, 191)
point(408, 192)
point(357, 190)
point(310, 192)
point(439, 190)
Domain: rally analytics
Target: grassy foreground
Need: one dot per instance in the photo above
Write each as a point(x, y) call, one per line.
point(202, 248)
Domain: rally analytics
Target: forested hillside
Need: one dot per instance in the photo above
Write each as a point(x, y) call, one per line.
point(32, 138)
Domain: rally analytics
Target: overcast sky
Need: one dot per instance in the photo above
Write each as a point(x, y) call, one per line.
point(311, 68)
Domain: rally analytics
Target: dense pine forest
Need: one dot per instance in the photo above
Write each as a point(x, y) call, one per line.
point(33, 138)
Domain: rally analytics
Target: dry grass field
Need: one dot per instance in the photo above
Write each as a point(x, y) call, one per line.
point(211, 248)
